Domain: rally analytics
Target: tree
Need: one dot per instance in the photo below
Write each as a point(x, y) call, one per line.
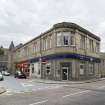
point(1, 51)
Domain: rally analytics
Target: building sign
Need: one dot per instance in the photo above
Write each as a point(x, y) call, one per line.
point(66, 56)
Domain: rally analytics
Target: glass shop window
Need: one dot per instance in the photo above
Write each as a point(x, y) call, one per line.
point(38, 71)
point(91, 68)
point(82, 68)
point(32, 68)
point(48, 68)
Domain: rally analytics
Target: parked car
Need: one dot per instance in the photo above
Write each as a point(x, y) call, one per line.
point(5, 73)
point(19, 74)
point(1, 77)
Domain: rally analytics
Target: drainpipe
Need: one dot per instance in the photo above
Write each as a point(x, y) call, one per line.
point(40, 58)
point(86, 54)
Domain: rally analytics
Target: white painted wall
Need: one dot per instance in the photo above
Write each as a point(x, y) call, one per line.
point(36, 70)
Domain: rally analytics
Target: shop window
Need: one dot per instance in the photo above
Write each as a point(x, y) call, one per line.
point(91, 68)
point(82, 68)
point(39, 72)
point(32, 68)
point(28, 70)
point(48, 68)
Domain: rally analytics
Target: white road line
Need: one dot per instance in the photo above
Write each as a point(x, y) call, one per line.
point(76, 93)
point(39, 102)
point(101, 87)
point(26, 84)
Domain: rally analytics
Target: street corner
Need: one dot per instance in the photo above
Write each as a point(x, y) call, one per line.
point(2, 90)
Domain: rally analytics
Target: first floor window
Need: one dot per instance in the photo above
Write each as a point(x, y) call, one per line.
point(91, 45)
point(59, 39)
point(66, 38)
point(66, 41)
point(97, 47)
point(72, 40)
point(34, 47)
point(82, 42)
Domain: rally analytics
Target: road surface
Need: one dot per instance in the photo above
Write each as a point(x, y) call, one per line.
point(76, 94)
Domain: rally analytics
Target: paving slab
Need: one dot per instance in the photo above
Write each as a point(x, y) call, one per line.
point(2, 90)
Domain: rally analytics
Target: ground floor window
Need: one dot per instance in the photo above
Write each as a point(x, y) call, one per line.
point(82, 68)
point(91, 68)
point(48, 68)
point(32, 68)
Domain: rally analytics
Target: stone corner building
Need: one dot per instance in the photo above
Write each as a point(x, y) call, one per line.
point(65, 52)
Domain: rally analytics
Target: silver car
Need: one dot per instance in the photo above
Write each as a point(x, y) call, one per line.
point(1, 77)
point(5, 73)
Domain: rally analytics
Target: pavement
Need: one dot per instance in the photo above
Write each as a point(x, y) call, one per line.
point(2, 90)
point(9, 85)
point(66, 82)
point(15, 85)
point(47, 92)
point(80, 94)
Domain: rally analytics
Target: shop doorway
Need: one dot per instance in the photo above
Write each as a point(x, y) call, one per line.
point(65, 73)
point(66, 70)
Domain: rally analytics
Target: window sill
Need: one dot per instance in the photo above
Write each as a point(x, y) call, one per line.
point(67, 46)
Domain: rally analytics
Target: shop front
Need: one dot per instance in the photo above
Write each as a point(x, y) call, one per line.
point(35, 71)
point(61, 67)
point(24, 67)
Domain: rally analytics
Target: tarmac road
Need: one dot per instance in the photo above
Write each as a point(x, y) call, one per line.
point(78, 94)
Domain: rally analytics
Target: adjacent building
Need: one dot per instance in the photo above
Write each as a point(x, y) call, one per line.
point(3, 59)
point(102, 64)
point(65, 52)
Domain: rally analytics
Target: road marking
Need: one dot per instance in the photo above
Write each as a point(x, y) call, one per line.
point(39, 102)
point(26, 84)
point(101, 87)
point(76, 93)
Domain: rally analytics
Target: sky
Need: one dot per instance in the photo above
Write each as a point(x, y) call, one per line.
point(22, 20)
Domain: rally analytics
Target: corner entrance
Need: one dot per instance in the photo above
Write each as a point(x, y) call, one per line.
point(66, 68)
point(65, 73)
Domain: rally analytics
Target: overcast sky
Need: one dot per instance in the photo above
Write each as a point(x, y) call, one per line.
point(22, 20)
